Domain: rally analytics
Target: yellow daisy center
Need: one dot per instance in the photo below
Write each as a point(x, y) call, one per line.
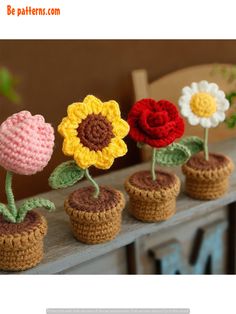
point(203, 105)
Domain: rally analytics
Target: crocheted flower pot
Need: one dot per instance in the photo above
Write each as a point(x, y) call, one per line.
point(207, 180)
point(21, 245)
point(95, 220)
point(152, 201)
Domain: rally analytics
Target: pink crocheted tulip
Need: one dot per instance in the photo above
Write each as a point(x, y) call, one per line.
point(26, 143)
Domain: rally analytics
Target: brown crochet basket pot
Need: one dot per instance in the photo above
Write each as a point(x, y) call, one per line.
point(95, 220)
point(207, 180)
point(21, 245)
point(152, 201)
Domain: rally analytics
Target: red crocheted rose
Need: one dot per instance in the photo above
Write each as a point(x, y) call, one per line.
point(156, 123)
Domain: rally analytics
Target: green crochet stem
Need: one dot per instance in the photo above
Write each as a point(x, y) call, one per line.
point(96, 186)
point(206, 144)
point(13, 214)
point(153, 166)
point(9, 194)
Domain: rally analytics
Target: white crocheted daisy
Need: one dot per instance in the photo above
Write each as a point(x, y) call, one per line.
point(203, 103)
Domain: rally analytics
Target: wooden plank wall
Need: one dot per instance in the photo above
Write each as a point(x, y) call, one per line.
point(55, 73)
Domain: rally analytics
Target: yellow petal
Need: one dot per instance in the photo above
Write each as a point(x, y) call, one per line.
point(85, 157)
point(77, 112)
point(70, 144)
point(93, 104)
point(117, 147)
point(111, 110)
point(120, 128)
point(104, 159)
point(67, 127)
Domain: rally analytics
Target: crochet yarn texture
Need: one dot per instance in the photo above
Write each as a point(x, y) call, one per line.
point(156, 123)
point(203, 103)
point(152, 201)
point(207, 180)
point(21, 245)
point(26, 143)
point(95, 220)
point(93, 133)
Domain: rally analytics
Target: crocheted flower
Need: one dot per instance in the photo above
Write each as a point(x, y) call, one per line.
point(203, 103)
point(156, 123)
point(26, 143)
point(93, 133)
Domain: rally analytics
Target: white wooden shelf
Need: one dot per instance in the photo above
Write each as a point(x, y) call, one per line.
point(63, 252)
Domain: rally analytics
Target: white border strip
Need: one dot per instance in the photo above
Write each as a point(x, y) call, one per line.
point(118, 311)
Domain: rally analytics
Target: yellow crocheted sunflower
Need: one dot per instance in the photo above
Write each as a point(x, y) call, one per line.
point(93, 133)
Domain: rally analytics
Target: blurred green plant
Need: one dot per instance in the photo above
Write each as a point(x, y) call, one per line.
point(225, 71)
point(229, 74)
point(8, 83)
point(231, 120)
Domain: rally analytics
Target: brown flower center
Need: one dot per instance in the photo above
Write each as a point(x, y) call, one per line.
point(95, 132)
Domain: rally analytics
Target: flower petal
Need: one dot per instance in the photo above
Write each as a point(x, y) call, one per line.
point(220, 95)
point(70, 144)
point(205, 122)
point(223, 105)
point(77, 112)
point(193, 119)
point(104, 159)
point(15, 119)
point(117, 147)
point(219, 115)
point(214, 121)
point(67, 127)
point(186, 110)
point(111, 110)
point(194, 87)
point(184, 100)
point(93, 104)
point(203, 86)
point(120, 128)
point(187, 91)
point(85, 157)
point(213, 89)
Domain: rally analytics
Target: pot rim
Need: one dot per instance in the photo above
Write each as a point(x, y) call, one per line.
point(24, 239)
point(153, 195)
point(207, 175)
point(98, 216)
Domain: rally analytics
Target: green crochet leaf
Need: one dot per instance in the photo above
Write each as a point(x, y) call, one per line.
point(6, 213)
point(173, 155)
point(66, 174)
point(193, 143)
point(33, 203)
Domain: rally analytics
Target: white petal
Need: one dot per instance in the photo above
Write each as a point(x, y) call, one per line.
point(205, 122)
point(194, 87)
point(192, 119)
point(214, 121)
point(223, 105)
point(184, 100)
point(187, 91)
point(220, 95)
point(213, 89)
point(203, 86)
point(183, 112)
point(219, 115)
point(186, 110)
